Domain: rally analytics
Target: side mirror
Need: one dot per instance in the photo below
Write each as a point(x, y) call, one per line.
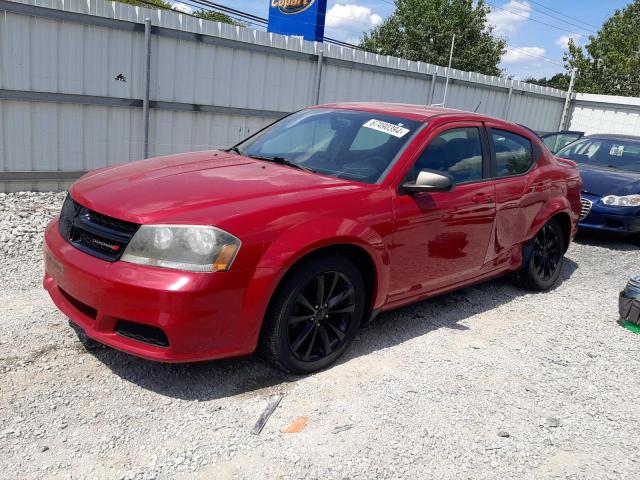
point(430, 181)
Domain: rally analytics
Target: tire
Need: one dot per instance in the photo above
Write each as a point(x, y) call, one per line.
point(301, 334)
point(544, 256)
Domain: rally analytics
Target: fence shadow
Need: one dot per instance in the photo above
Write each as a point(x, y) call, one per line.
point(212, 380)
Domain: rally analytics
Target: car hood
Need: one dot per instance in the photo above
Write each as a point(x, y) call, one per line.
point(604, 181)
point(179, 186)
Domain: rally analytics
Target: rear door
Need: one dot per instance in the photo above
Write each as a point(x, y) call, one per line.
point(520, 192)
point(441, 238)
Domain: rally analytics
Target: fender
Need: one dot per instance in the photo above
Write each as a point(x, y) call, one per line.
point(302, 239)
point(555, 205)
point(297, 242)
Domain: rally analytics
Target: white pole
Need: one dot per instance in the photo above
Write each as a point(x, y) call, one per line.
point(318, 76)
point(567, 101)
point(146, 88)
point(446, 82)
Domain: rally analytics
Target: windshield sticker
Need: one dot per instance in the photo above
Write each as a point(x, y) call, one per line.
point(617, 150)
point(388, 128)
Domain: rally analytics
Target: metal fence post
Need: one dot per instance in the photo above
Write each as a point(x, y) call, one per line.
point(446, 83)
point(434, 79)
point(508, 105)
point(567, 102)
point(316, 99)
point(147, 87)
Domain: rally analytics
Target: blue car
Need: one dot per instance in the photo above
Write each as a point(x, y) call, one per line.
point(610, 170)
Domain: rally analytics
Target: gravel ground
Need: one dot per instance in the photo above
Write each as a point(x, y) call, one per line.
point(487, 382)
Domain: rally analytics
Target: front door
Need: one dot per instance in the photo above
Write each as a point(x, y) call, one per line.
point(441, 238)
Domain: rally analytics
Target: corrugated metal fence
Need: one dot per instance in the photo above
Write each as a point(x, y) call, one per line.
point(72, 84)
point(605, 114)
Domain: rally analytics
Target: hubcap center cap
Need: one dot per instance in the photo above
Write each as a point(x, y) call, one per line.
point(320, 314)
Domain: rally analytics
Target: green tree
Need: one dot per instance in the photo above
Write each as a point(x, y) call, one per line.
point(559, 80)
point(147, 3)
point(610, 63)
point(204, 14)
point(217, 17)
point(421, 30)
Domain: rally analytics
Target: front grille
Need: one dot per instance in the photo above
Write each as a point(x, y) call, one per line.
point(142, 333)
point(585, 208)
point(94, 233)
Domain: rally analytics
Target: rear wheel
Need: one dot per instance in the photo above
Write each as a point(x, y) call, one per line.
point(314, 315)
point(545, 258)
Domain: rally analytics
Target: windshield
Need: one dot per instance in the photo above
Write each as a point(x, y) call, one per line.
point(348, 144)
point(602, 152)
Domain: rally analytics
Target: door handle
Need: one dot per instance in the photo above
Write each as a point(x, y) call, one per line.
point(482, 198)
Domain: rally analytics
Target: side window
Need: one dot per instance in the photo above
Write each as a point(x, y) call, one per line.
point(514, 153)
point(457, 152)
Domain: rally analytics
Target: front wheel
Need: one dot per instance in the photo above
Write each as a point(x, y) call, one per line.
point(545, 258)
point(314, 315)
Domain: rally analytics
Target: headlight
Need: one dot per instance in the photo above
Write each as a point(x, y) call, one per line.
point(625, 201)
point(183, 247)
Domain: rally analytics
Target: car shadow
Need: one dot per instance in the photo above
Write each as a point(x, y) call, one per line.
point(612, 242)
point(205, 381)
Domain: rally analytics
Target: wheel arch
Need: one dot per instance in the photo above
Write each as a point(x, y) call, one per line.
point(353, 239)
point(559, 209)
point(354, 252)
point(359, 255)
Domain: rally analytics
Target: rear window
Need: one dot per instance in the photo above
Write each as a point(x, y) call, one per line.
point(514, 153)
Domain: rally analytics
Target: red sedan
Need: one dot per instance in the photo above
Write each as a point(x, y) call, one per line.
point(288, 241)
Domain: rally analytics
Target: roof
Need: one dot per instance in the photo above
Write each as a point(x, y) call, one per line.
point(614, 136)
point(406, 110)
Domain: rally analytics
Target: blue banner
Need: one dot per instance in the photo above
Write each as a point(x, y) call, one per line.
point(303, 18)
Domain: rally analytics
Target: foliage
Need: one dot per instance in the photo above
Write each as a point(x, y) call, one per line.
point(147, 3)
point(204, 14)
point(217, 17)
point(610, 63)
point(421, 30)
point(559, 80)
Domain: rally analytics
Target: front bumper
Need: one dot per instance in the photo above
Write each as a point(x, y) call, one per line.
point(203, 315)
point(621, 220)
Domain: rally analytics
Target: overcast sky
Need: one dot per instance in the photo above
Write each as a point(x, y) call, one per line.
point(536, 31)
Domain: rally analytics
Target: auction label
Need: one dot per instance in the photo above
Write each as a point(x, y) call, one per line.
point(617, 150)
point(388, 128)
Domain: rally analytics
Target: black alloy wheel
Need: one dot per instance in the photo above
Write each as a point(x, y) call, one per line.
point(314, 314)
point(320, 319)
point(547, 252)
point(543, 258)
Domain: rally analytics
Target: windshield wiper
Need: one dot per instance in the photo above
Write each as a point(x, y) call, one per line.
point(283, 161)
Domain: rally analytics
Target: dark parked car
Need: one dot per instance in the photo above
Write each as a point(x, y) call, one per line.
point(289, 240)
point(610, 169)
point(556, 141)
